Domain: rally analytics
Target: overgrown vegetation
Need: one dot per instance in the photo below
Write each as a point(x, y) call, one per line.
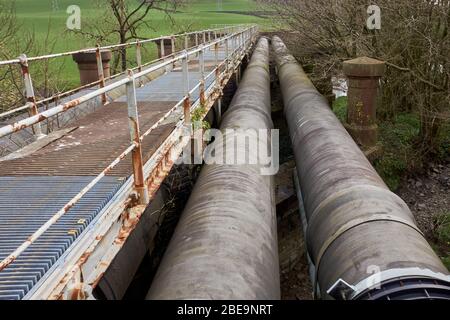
point(442, 234)
point(399, 137)
point(414, 40)
point(197, 119)
point(14, 40)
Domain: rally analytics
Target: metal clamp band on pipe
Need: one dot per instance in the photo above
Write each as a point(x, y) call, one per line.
point(225, 244)
point(359, 233)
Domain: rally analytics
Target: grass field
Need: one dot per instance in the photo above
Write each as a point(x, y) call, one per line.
point(42, 17)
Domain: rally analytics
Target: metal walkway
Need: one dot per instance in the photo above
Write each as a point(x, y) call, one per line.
point(89, 178)
point(38, 198)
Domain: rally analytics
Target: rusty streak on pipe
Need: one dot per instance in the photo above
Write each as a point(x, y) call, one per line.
point(225, 245)
point(360, 234)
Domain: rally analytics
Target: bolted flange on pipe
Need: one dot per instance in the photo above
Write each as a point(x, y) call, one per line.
point(361, 237)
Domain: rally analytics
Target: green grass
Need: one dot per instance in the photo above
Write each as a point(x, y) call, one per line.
point(39, 16)
point(340, 108)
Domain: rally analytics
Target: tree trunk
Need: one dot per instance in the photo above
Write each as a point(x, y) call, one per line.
point(123, 50)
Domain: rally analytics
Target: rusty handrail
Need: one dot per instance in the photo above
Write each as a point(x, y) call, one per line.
point(136, 138)
point(109, 47)
point(102, 80)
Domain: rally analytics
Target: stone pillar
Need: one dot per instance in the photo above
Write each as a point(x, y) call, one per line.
point(87, 66)
point(363, 75)
point(167, 47)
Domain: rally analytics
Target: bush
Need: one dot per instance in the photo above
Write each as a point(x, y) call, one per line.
point(414, 41)
point(442, 233)
point(340, 108)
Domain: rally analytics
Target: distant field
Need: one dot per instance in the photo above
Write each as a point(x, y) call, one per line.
point(41, 16)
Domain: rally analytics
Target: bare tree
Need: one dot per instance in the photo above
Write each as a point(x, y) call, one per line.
point(414, 40)
point(122, 21)
point(11, 93)
point(15, 40)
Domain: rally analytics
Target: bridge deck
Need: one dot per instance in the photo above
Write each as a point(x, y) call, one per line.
point(35, 187)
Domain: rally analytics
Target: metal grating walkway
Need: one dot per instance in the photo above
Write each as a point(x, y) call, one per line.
point(36, 186)
point(28, 202)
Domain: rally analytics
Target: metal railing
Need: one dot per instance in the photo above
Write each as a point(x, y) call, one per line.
point(241, 42)
point(23, 61)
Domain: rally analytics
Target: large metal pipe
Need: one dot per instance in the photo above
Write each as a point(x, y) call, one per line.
point(362, 238)
point(225, 245)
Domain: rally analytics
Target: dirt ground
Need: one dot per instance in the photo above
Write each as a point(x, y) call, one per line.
point(428, 195)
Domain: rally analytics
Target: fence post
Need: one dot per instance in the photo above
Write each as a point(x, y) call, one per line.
point(172, 40)
point(137, 162)
point(101, 77)
point(139, 59)
point(201, 63)
point(29, 92)
point(216, 54)
point(187, 99)
point(227, 56)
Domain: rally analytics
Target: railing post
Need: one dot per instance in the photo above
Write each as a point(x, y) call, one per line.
point(227, 56)
point(139, 59)
point(216, 54)
point(172, 40)
point(218, 87)
point(196, 39)
point(187, 99)
point(163, 48)
point(29, 92)
point(137, 162)
point(204, 37)
point(201, 63)
point(101, 77)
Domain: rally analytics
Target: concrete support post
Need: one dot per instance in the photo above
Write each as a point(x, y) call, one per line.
point(364, 76)
point(89, 64)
